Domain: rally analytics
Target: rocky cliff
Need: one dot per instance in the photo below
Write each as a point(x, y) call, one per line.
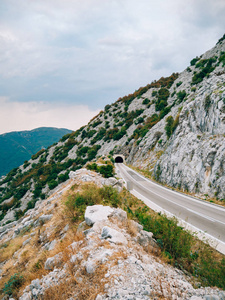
point(173, 127)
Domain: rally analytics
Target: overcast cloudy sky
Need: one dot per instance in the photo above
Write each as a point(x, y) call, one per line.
point(61, 61)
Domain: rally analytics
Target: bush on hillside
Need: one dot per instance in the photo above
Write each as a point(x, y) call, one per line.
point(14, 283)
point(181, 95)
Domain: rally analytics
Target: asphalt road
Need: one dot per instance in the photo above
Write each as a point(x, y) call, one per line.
point(204, 217)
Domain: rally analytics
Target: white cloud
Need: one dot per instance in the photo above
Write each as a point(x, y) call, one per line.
point(17, 116)
point(99, 50)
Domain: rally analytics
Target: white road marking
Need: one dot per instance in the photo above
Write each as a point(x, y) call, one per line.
point(220, 245)
point(215, 206)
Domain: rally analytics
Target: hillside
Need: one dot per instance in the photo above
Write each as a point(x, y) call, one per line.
point(18, 146)
point(173, 127)
point(65, 249)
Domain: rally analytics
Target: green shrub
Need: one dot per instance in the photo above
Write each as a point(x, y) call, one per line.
point(146, 101)
point(222, 58)
point(99, 136)
point(181, 95)
point(26, 164)
point(31, 204)
point(194, 60)
point(221, 39)
point(207, 103)
point(163, 95)
point(65, 137)
point(92, 167)
point(90, 133)
point(52, 184)
point(107, 107)
point(118, 135)
point(179, 83)
point(38, 154)
point(154, 93)
point(169, 126)
point(14, 283)
point(106, 171)
point(139, 120)
point(20, 192)
point(206, 66)
point(96, 123)
point(164, 112)
point(92, 152)
point(82, 151)
point(63, 177)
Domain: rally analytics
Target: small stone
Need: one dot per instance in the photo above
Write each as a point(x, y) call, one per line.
point(26, 296)
point(26, 242)
point(52, 245)
point(90, 267)
point(211, 297)
point(73, 258)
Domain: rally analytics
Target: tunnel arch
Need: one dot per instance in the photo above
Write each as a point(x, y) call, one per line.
point(119, 159)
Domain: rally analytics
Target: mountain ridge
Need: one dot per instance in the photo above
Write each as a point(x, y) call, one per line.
point(18, 146)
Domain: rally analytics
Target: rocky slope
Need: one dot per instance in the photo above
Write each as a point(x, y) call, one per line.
point(174, 127)
point(107, 256)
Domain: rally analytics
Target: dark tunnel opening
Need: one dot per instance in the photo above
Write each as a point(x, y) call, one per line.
point(119, 159)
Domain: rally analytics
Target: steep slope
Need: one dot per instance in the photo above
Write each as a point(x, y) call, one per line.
point(18, 146)
point(174, 127)
point(65, 250)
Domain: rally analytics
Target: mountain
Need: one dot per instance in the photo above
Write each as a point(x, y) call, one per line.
point(18, 146)
point(173, 128)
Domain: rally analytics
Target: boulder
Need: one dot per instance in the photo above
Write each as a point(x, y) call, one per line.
point(118, 184)
point(113, 236)
point(42, 219)
point(120, 214)
point(52, 262)
point(144, 238)
point(97, 213)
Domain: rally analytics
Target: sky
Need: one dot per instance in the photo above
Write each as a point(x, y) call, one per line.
point(62, 61)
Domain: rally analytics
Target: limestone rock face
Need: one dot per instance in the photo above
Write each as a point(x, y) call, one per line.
point(195, 156)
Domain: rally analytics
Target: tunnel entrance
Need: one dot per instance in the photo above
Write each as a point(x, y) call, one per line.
point(119, 159)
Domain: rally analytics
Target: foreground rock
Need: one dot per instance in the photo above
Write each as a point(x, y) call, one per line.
point(110, 255)
point(131, 272)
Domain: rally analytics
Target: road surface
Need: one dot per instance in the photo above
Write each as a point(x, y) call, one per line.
point(207, 219)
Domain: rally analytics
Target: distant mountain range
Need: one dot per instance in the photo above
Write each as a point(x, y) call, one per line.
point(18, 146)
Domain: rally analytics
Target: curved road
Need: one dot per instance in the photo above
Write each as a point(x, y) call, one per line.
point(197, 215)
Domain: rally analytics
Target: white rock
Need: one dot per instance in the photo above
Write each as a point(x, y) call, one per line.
point(113, 235)
point(97, 213)
point(26, 242)
point(52, 262)
point(120, 214)
point(90, 267)
point(26, 296)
